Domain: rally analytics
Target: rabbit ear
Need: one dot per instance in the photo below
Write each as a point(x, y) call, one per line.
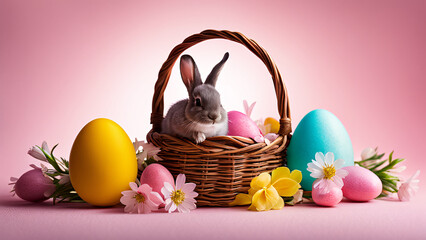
point(212, 78)
point(189, 72)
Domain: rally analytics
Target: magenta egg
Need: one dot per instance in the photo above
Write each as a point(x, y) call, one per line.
point(155, 175)
point(241, 125)
point(361, 184)
point(32, 185)
point(332, 198)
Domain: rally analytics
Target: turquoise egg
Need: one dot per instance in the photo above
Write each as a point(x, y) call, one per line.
point(319, 131)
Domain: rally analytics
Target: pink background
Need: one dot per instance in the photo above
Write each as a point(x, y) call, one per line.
point(64, 63)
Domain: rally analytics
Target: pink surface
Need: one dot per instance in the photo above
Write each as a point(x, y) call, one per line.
point(377, 219)
point(64, 63)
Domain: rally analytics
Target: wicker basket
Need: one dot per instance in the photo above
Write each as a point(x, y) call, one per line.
point(220, 166)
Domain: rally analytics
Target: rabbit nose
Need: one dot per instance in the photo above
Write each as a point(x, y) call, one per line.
point(213, 116)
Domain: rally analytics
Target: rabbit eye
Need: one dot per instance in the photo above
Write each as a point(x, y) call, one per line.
point(198, 102)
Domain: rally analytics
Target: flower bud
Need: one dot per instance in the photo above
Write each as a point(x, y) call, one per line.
point(367, 153)
point(35, 152)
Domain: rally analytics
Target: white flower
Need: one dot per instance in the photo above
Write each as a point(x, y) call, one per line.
point(151, 151)
point(36, 152)
point(327, 172)
point(271, 137)
point(298, 197)
point(137, 145)
point(181, 196)
point(50, 190)
point(397, 170)
point(368, 153)
point(44, 169)
point(264, 129)
point(145, 151)
point(65, 178)
point(140, 199)
point(45, 147)
point(408, 189)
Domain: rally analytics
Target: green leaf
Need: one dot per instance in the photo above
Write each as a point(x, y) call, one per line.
point(392, 164)
point(381, 195)
point(390, 186)
point(56, 165)
point(380, 156)
point(51, 160)
point(374, 157)
point(390, 156)
point(66, 163)
point(383, 175)
point(377, 165)
point(45, 153)
point(63, 192)
point(307, 195)
point(150, 160)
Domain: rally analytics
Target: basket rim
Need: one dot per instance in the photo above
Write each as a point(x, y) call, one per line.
point(215, 146)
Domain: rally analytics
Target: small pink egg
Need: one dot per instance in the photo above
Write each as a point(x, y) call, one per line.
point(361, 184)
point(32, 185)
point(332, 198)
point(155, 175)
point(241, 125)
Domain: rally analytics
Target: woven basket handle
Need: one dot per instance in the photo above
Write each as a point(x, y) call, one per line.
point(165, 71)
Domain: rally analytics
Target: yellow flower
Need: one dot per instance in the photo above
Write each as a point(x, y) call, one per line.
point(266, 191)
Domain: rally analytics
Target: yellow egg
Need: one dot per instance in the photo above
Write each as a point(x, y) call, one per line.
point(273, 123)
point(102, 162)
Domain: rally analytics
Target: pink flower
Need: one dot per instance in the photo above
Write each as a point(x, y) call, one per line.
point(248, 109)
point(408, 189)
point(181, 196)
point(140, 199)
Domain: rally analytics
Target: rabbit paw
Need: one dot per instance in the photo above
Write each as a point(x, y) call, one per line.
point(199, 137)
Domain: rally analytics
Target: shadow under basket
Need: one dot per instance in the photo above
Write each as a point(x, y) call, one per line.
point(222, 166)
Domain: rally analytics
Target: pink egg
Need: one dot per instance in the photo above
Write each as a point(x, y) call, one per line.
point(241, 125)
point(155, 175)
point(32, 185)
point(332, 198)
point(361, 184)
